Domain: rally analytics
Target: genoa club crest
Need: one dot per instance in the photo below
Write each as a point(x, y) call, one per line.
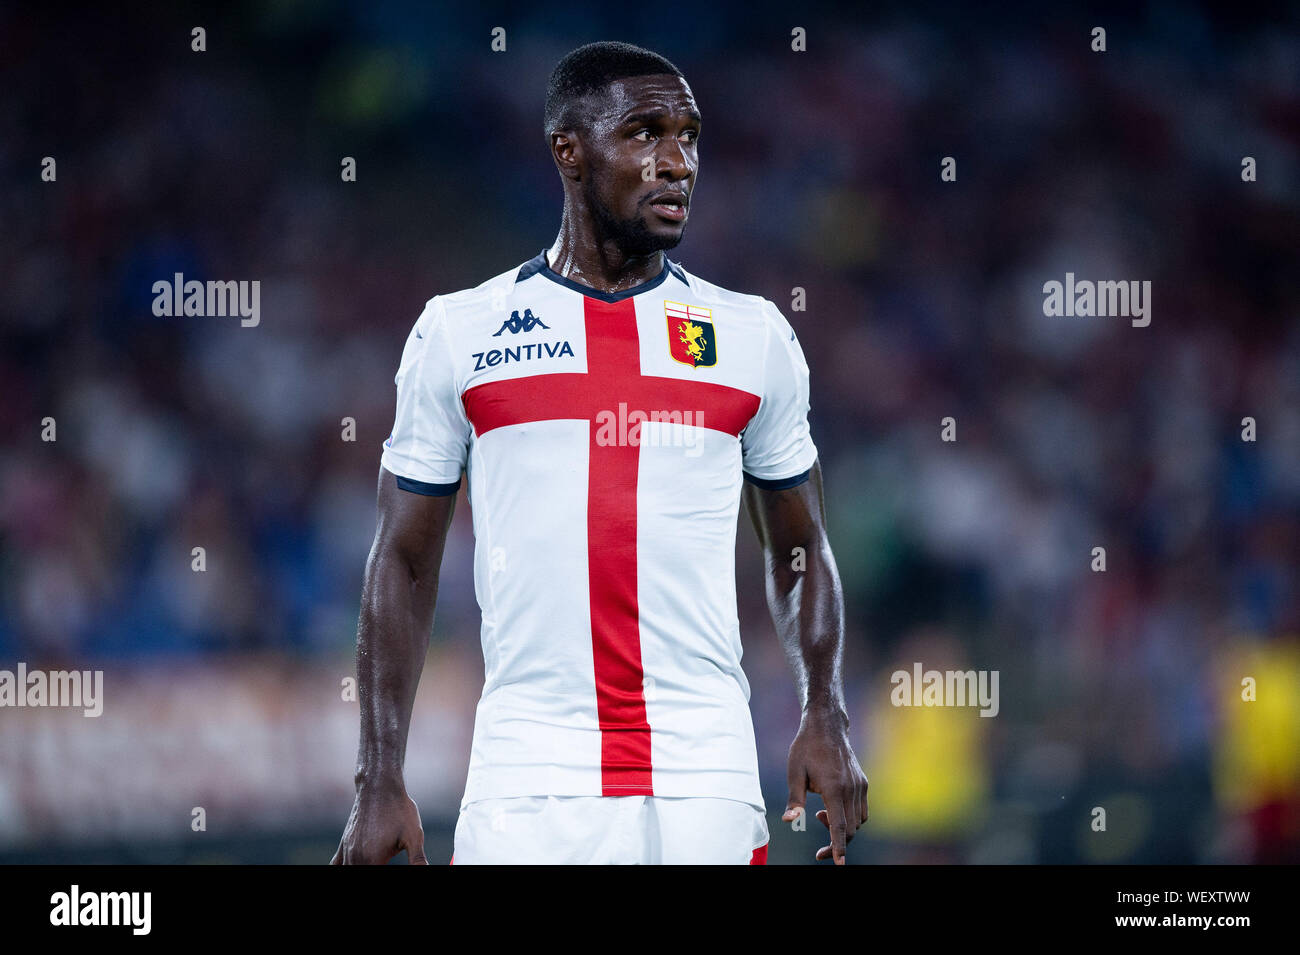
point(690, 334)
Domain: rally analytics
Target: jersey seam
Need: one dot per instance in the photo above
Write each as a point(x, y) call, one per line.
point(481, 508)
point(424, 393)
point(762, 401)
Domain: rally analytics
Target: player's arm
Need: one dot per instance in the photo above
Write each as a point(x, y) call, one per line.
point(397, 604)
point(807, 605)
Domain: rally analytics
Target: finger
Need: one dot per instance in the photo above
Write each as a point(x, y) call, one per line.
point(825, 820)
point(839, 827)
point(853, 811)
point(797, 779)
point(415, 849)
point(825, 852)
point(851, 820)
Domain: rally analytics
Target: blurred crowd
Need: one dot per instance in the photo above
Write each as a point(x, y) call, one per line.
point(820, 171)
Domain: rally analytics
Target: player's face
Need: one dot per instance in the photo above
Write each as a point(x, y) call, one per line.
point(642, 162)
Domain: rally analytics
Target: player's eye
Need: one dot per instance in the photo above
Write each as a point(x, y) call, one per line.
point(646, 135)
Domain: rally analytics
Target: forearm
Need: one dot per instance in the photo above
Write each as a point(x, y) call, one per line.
point(392, 641)
point(807, 607)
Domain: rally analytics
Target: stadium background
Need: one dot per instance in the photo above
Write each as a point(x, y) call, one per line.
point(819, 170)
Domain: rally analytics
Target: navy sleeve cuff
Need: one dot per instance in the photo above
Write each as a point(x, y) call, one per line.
point(780, 484)
point(423, 487)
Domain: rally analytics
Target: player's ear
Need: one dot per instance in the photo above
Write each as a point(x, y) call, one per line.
point(566, 149)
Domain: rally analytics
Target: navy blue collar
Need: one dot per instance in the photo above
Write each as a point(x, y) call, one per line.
point(537, 266)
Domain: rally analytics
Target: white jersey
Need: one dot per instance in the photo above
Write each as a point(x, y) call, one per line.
point(605, 439)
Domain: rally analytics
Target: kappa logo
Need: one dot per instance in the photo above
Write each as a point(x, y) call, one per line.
point(517, 324)
point(691, 339)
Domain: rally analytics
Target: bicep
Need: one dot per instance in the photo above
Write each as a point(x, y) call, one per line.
point(412, 527)
point(788, 518)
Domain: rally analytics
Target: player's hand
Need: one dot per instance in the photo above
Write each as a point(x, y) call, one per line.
point(384, 821)
point(822, 761)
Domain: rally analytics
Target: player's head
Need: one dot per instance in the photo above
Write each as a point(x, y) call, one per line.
point(615, 115)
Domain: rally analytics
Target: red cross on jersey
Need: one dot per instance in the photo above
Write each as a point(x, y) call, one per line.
point(605, 438)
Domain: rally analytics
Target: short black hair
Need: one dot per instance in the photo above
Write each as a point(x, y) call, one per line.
point(590, 69)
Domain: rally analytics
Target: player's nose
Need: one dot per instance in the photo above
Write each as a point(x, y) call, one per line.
point(672, 161)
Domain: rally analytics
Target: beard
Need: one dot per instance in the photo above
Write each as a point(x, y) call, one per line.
point(632, 236)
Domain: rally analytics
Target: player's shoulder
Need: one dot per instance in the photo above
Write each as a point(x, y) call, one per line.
point(455, 309)
point(761, 312)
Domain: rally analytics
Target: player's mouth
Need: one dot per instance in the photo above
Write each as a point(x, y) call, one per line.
point(671, 207)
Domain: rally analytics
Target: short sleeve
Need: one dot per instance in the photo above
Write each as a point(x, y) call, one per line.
point(777, 449)
point(430, 440)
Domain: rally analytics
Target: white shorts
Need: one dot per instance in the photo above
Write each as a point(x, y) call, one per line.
point(610, 830)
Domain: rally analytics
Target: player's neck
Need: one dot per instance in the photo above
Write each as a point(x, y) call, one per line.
point(602, 266)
